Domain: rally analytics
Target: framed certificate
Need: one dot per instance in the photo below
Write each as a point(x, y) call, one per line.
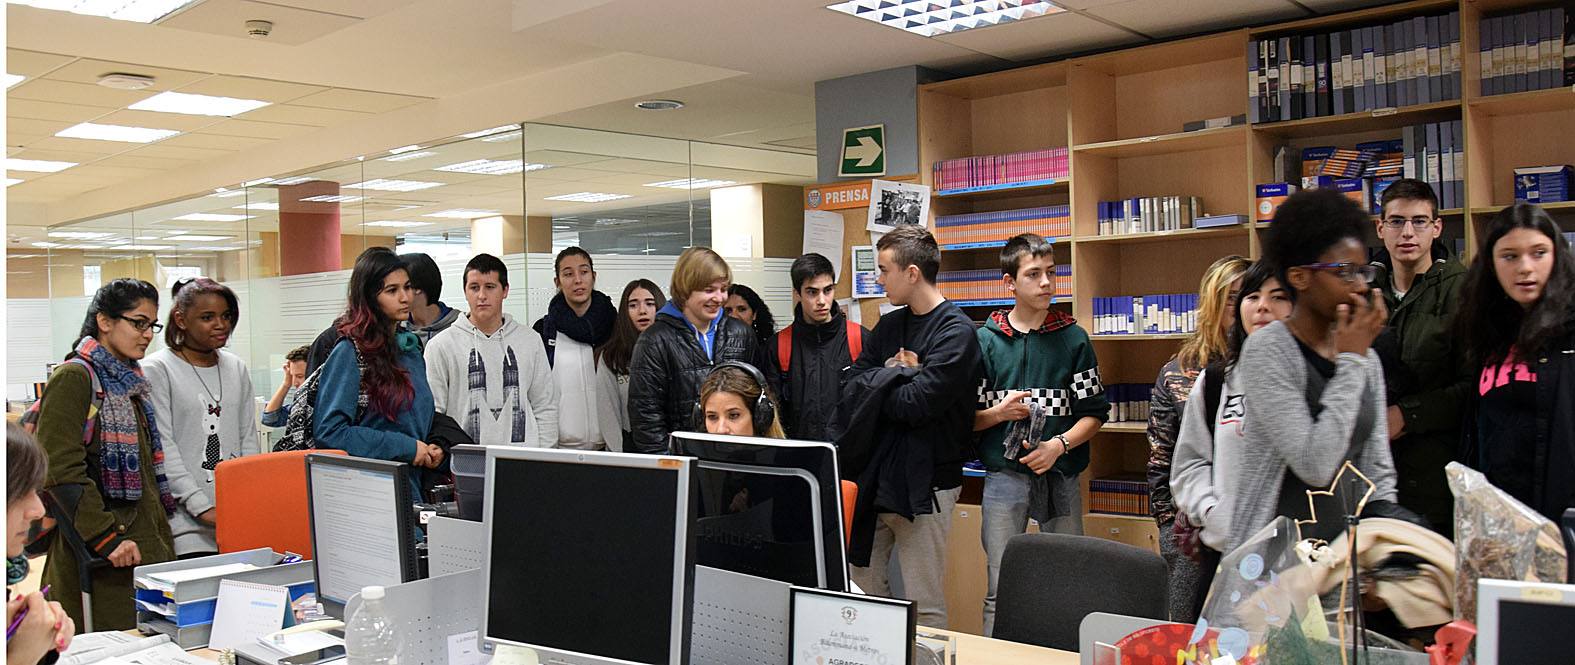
point(833, 628)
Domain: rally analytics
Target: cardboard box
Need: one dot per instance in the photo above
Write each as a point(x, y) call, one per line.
point(1543, 184)
point(1270, 196)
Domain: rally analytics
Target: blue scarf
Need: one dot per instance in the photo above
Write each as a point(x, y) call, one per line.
point(125, 391)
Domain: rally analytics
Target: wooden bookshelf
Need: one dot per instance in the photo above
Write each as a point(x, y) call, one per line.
point(1562, 206)
point(1121, 114)
point(1125, 428)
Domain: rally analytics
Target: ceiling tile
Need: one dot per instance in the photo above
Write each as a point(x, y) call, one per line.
point(156, 120)
point(304, 115)
point(90, 71)
point(111, 172)
point(33, 126)
point(68, 113)
point(358, 100)
point(58, 156)
point(250, 88)
point(356, 8)
point(15, 142)
point(261, 130)
point(77, 93)
point(179, 152)
point(214, 141)
point(32, 64)
point(136, 161)
point(1044, 36)
point(1158, 18)
point(291, 25)
point(84, 145)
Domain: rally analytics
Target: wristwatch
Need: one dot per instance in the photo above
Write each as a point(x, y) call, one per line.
point(1066, 446)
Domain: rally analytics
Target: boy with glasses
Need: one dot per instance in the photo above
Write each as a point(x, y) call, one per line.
point(1426, 378)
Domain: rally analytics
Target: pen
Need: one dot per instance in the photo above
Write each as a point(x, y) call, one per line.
point(17, 622)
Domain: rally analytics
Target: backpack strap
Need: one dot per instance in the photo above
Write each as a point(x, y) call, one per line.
point(855, 340)
point(1213, 386)
point(785, 347)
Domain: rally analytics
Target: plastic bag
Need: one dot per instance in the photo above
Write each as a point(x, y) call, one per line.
point(1262, 588)
point(1497, 537)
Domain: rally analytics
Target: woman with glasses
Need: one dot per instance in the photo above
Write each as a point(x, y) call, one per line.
point(1311, 388)
point(1517, 323)
point(202, 397)
point(106, 460)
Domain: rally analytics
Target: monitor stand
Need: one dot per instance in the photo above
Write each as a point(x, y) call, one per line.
point(739, 619)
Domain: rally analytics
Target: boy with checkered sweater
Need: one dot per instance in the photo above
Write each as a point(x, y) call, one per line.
point(1032, 355)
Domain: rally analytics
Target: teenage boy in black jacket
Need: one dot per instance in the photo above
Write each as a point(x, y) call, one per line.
point(808, 356)
point(923, 364)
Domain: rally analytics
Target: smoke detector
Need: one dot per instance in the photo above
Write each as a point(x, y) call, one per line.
point(258, 29)
point(120, 81)
point(659, 105)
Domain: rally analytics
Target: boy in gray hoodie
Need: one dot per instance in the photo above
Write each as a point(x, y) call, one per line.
point(488, 372)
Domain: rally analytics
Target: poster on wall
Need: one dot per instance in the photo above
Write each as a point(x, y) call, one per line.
point(823, 236)
point(865, 270)
point(894, 204)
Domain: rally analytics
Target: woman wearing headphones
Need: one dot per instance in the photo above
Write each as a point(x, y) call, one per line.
point(733, 400)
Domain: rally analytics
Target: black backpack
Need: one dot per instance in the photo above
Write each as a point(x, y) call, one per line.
point(298, 434)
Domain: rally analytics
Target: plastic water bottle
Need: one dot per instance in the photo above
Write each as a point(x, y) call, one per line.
point(370, 636)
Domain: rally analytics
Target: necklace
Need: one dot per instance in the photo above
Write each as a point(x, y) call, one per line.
point(217, 408)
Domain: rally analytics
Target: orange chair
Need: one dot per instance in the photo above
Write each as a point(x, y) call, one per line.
point(850, 495)
point(262, 502)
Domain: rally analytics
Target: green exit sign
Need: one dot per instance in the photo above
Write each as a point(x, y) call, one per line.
point(863, 151)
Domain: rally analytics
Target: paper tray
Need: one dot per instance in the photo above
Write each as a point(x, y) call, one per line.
point(206, 588)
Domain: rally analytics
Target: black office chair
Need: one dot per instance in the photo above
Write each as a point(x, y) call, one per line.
point(1050, 581)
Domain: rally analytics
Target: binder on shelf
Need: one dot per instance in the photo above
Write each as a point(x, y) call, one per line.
point(1446, 190)
point(1254, 112)
point(1556, 48)
point(1285, 78)
point(1452, 56)
point(1380, 69)
point(1294, 101)
point(1369, 67)
point(1485, 54)
point(1321, 46)
point(1264, 110)
point(1459, 158)
point(1309, 76)
point(1406, 86)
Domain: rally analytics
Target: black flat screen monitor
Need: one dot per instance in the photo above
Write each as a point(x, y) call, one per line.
point(589, 555)
point(769, 508)
point(363, 533)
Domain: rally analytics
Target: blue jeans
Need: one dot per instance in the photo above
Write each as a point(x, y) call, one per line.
point(1005, 511)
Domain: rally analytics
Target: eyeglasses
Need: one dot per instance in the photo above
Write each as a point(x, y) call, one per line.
point(1346, 271)
point(143, 325)
point(1397, 223)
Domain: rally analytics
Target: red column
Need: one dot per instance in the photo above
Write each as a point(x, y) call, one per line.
point(308, 230)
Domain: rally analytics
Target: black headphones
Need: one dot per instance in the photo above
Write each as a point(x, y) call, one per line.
point(763, 412)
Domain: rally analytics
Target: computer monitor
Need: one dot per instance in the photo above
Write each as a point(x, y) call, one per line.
point(1524, 623)
point(768, 507)
point(588, 555)
point(363, 533)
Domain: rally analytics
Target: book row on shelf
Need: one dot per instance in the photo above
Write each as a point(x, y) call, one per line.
point(988, 285)
point(1146, 315)
point(1526, 51)
point(980, 229)
point(1129, 401)
point(1030, 166)
point(1148, 214)
point(1408, 62)
point(1119, 494)
point(1434, 152)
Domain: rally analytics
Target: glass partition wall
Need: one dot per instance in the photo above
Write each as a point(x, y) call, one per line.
point(286, 243)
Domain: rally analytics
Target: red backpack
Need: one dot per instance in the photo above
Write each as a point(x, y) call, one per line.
point(785, 344)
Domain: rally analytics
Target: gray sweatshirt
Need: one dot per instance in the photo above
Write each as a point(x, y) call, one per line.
point(1263, 428)
point(182, 405)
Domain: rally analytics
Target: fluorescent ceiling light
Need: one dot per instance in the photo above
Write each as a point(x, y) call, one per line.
point(292, 181)
point(691, 183)
point(148, 248)
point(257, 205)
point(333, 198)
point(48, 245)
point(222, 193)
point(929, 18)
point(12, 181)
point(13, 79)
point(212, 217)
point(386, 185)
point(254, 183)
point(140, 11)
point(122, 133)
point(503, 137)
point(79, 235)
point(462, 213)
point(189, 104)
point(36, 165)
point(491, 167)
point(195, 238)
point(408, 148)
point(490, 132)
point(588, 197)
point(407, 156)
point(397, 224)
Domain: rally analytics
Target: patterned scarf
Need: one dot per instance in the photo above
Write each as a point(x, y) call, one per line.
point(121, 474)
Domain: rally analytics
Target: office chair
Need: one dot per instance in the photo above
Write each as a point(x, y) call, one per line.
point(262, 502)
point(1050, 581)
point(850, 496)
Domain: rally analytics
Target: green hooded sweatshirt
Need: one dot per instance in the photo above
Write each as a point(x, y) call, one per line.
point(1056, 365)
